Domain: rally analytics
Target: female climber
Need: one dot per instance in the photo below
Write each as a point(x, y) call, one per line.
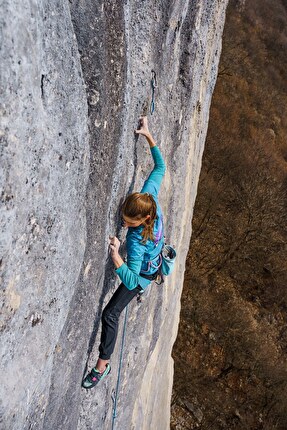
point(142, 215)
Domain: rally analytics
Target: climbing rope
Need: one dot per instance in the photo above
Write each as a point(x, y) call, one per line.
point(153, 86)
point(115, 397)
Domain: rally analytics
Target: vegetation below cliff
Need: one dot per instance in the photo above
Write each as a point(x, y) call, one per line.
point(231, 350)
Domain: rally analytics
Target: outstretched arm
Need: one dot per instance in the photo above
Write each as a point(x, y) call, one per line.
point(152, 184)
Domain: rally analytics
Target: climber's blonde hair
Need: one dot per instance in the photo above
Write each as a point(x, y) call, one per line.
point(138, 206)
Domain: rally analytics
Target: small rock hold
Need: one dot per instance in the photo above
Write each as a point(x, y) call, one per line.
point(94, 98)
point(36, 319)
point(58, 349)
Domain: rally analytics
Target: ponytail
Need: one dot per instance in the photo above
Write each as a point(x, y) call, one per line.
point(138, 206)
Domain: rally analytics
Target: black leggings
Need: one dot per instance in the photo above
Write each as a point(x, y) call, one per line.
point(110, 317)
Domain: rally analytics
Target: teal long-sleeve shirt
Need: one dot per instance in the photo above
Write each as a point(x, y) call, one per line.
point(138, 254)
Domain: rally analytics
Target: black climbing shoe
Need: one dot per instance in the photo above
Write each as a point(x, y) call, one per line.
point(94, 377)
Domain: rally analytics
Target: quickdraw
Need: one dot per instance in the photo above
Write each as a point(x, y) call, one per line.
point(153, 86)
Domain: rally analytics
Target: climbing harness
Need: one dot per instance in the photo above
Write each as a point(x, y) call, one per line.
point(115, 397)
point(152, 263)
point(153, 86)
point(164, 261)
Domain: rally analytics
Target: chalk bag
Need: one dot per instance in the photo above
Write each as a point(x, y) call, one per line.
point(168, 259)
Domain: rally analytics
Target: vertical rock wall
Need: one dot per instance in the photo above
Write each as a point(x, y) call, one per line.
point(74, 82)
point(44, 174)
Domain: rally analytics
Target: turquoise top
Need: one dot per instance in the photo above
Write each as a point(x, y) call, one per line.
point(139, 254)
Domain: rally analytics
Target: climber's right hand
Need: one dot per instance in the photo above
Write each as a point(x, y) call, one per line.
point(114, 245)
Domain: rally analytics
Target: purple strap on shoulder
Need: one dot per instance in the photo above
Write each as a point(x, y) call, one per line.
point(158, 235)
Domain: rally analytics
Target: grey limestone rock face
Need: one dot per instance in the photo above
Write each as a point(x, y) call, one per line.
point(75, 76)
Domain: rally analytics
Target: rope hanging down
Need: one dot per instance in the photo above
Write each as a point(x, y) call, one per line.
point(115, 397)
point(153, 86)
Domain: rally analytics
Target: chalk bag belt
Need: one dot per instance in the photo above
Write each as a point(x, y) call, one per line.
point(151, 264)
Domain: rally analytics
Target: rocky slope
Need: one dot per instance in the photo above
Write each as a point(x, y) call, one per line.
point(75, 76)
